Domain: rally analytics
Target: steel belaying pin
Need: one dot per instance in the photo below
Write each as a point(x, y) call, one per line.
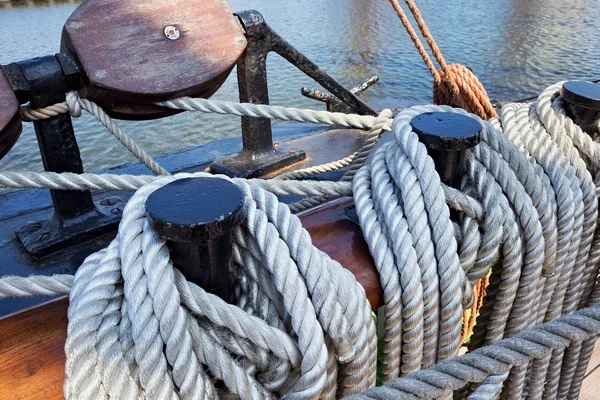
point(196, 216)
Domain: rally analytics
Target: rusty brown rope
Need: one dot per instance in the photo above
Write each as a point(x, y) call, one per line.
point(470, 316)
point(454, 84)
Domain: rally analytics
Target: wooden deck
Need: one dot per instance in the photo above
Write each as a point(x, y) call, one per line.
point(591, 385)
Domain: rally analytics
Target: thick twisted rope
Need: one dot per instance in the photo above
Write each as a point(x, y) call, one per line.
point(411, 238)
point(444, 377)
point(271, 112)
point(73, 106)
point(454, 84)
point(128, 303)
point(529, 200)
point(354, 162)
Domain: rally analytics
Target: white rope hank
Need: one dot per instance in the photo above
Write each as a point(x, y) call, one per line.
point(137, 328)
point(442, 378)
point(301, 326)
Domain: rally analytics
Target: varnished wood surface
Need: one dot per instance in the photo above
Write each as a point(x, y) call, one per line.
point(334, 231)
point(128, 59)
point(31, 342)
point(32, 357)
point(10, 122)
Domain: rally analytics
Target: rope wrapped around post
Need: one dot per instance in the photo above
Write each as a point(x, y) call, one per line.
point(127, 303)
point(528, 210)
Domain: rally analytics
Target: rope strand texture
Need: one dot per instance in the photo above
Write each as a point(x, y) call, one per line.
point(301, 327)
point(138, 328)
point(475, 366)
point(73, 105)
point(454, 85)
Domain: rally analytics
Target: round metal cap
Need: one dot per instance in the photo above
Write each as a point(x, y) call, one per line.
point(582, 94)
point(447, 130)
point(195, 209)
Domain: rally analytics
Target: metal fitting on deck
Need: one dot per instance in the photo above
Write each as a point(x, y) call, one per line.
point(196, 216)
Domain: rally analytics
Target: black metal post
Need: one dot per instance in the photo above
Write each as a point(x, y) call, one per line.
point(196, 217)
point(447, 135)
point(582, 103)
point(259, 156)
point(44, 82)
point(56, 137)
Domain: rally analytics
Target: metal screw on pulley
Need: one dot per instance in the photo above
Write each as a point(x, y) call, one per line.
point(196, 217)
point(172, 32)
point(582, 103)
point(447, 135)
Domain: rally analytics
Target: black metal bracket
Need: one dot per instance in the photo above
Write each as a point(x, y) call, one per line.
point(259, 156)
point(334, 104)
point(44, 81)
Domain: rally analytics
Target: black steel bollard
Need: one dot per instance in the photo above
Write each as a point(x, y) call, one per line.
point(447, 135)
point(582, 103)
point(196, 217)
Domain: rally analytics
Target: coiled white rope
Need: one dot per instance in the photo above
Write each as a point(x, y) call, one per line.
point(532, 204)
point(127, 303)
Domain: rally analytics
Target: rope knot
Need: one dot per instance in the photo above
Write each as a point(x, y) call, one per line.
point(459, 87)
point(73, 104)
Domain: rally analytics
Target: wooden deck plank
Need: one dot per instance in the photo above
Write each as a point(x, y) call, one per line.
point(594, 360)
point(33, 357)
point(590, 390)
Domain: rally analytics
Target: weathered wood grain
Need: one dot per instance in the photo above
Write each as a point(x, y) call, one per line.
point(122, 47)
point(32, 358)
point(10, 122)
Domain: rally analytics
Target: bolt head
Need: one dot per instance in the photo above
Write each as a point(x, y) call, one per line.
point(172, 32)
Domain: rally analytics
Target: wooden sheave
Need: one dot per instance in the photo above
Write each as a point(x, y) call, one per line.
point(130, 60)
point(10, 121)
point(32, 357)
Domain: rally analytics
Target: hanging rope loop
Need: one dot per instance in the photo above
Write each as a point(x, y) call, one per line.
point(453, 84)
point(459, 87)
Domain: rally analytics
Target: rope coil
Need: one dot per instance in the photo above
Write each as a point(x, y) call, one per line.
point(529, 210)
point(454, 84)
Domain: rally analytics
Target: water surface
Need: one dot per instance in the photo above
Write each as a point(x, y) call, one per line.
point(515, 47)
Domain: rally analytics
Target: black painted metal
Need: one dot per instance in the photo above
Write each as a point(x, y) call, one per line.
point(21, 207)
point(582, 103)
point(334, 104)
point(259, 156)
point(196, 217)
point(447, 135)
point(42, 82)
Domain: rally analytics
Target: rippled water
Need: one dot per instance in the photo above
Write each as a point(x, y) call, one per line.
point(515, 47)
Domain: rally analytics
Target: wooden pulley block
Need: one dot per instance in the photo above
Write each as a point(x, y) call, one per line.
point(137, 52)
point(10, 120)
